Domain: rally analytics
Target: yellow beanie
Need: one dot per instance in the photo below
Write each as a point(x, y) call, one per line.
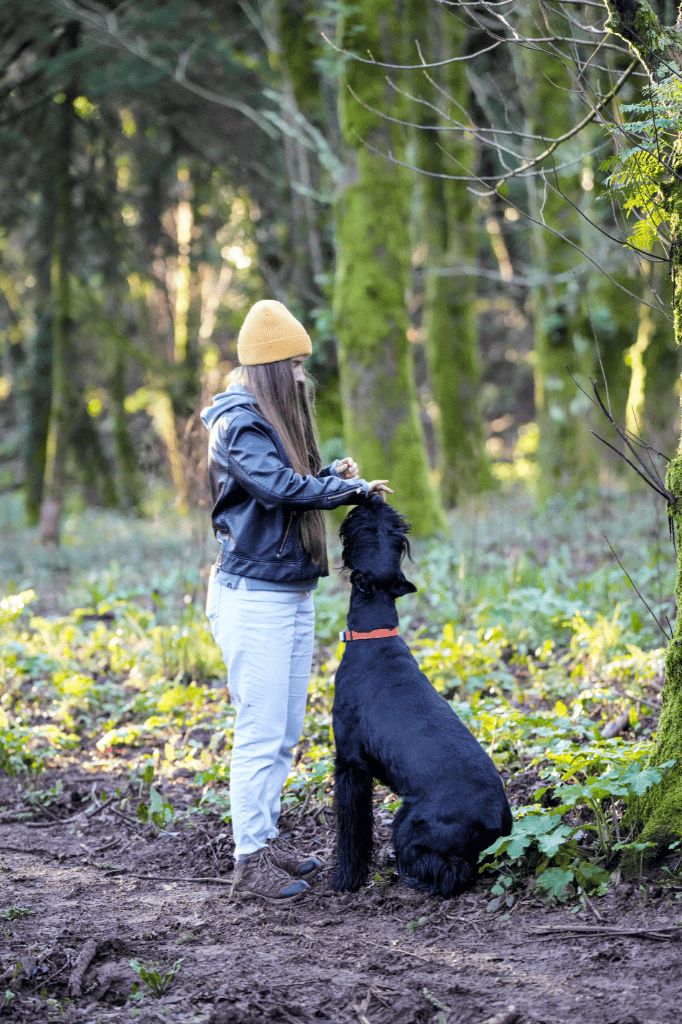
point(269, 333)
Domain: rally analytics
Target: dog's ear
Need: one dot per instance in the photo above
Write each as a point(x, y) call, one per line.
point(364, 581)
point(401, 586)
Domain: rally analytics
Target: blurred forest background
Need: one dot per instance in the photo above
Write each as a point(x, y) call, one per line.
point(166, 164)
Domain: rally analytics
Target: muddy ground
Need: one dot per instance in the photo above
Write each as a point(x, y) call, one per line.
point(386, 955)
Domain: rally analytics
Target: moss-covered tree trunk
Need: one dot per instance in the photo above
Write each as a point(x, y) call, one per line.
point(660, 49)
point(39, 383)
point(64, 407)
point(381, 423)
point(293, 41)
point(129, 483)
point(566, 455)
point(446, 224)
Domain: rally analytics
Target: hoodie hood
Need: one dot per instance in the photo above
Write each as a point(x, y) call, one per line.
point(235, 396)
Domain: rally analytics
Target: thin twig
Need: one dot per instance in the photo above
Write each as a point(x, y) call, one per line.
point(635, 587)
point(396, 949)
point(167, 878)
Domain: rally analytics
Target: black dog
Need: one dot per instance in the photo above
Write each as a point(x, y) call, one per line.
point(390, 724)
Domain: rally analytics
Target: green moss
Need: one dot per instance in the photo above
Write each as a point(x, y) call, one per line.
point(301, 48)
point(640, 27)
point(372, 214)
point(445, 222)
point(660, 817)
point(672, 204)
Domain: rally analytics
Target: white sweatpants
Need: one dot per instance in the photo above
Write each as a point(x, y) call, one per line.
point(266, 637)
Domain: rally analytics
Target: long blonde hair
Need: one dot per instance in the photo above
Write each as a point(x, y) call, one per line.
point(289, 407)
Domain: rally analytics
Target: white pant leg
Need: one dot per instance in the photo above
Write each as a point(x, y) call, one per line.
point(262, 635)
point(299, 682)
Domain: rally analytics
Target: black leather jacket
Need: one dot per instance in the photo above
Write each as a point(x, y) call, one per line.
point(257, 495)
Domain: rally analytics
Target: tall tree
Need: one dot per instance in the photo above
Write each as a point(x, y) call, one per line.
point(446, 224)
point(372, 213)
point(64, 399)
point(565, 455)
point(659, 47)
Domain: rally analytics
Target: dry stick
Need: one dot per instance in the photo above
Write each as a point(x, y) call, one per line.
point(74, 817)
point(45, 853)
point(167, 878)
point(85, 958)
point(587, 929)
point(210, 846)
point(124, 817)
point(591, 907)
point(396, 949)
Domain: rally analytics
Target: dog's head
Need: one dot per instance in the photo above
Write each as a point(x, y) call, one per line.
point(374, 539)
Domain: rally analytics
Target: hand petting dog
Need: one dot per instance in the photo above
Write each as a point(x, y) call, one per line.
point(348, 470)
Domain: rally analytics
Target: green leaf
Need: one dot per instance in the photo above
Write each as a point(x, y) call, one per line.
point(644, 780)
point(556, 883)
point(148, 774)
point(592, 876)
point(552, 843)
point(155, 801)
point(142, 811)
point(635, 622)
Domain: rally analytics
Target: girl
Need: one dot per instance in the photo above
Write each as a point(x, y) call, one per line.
point(268, 491)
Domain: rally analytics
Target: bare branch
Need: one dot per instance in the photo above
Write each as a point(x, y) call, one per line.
point(576, 128)
point(637, 591)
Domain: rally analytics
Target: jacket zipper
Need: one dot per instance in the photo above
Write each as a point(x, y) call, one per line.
point(286, 534)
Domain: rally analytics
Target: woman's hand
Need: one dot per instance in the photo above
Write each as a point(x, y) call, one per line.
point(347, 469)
point(379, 487)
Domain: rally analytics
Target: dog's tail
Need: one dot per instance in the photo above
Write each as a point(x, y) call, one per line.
point(439, 875)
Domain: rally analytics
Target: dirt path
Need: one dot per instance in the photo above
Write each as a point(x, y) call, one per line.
point(386, 955)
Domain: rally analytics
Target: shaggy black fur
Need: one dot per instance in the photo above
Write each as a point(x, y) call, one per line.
point(391, 725)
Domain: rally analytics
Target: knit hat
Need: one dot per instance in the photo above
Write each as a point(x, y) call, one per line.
point(269, 333)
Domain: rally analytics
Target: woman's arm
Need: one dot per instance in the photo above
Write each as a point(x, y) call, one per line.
point(252, 459)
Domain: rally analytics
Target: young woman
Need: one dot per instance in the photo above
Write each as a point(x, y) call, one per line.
point(269, 490)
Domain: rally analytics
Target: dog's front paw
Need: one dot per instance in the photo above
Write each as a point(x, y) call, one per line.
point(346, 883)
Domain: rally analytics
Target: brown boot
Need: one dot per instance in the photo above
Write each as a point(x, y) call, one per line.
point(285, 855)
point(258, 874)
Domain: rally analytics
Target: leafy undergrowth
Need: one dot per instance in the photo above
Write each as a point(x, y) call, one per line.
point(523, 620)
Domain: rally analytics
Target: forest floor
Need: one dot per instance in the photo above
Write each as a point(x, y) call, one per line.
point(115, 835)
point(86, 896)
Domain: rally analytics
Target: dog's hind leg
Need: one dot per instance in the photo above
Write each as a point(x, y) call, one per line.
point(424, 860)
point(353, 792)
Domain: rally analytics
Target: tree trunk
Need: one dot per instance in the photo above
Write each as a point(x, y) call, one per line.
point(129, 484)
point(92, 461)
point(39, 377)
point(290, 39)
point(64, 404)
point(566, 454)
point(377, 386)
point(661, 813)
point(450, 321)
point(126, 459)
